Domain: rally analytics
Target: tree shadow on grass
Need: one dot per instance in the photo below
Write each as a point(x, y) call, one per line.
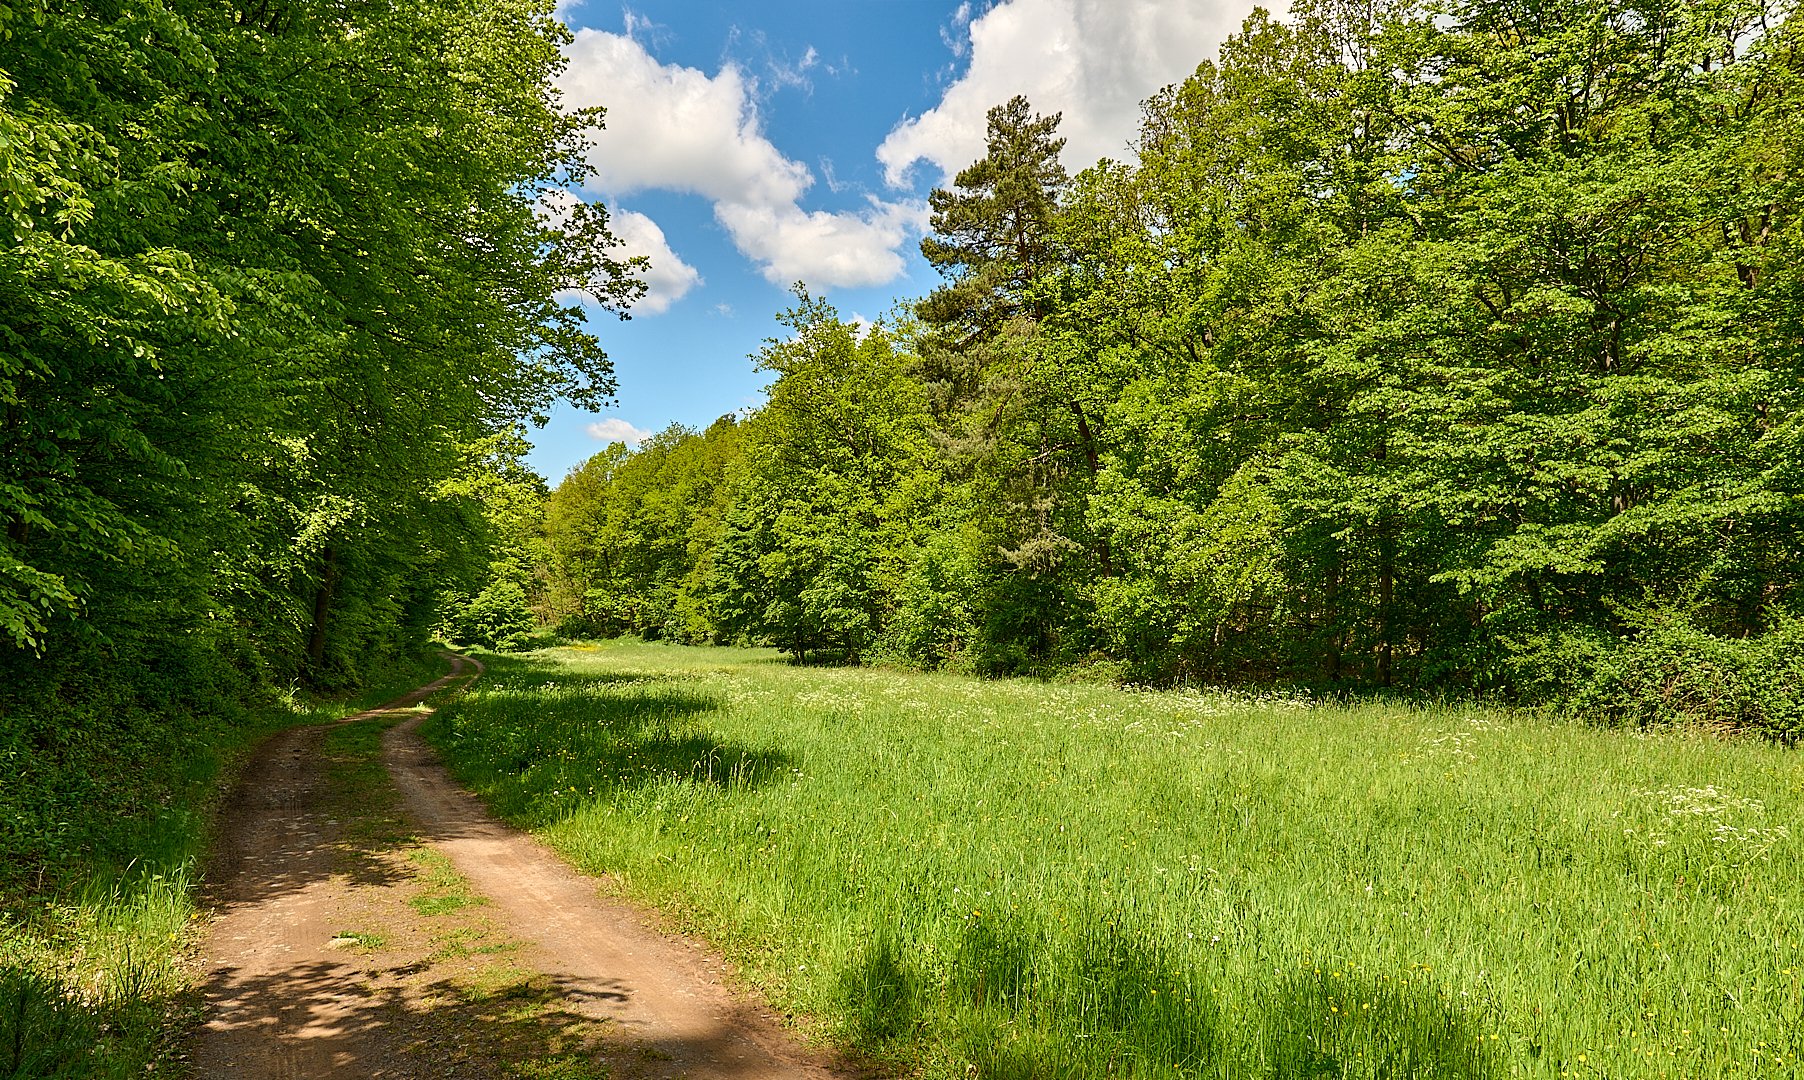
point(527, 672)
point(1017, 1006)
point(1322, 1025)
point(1113, 1003)
point(542, 736)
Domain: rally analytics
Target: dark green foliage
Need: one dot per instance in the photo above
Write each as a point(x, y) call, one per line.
point(991, 229)
point(1671, 673)
point(102, 767)
point(48, 1032)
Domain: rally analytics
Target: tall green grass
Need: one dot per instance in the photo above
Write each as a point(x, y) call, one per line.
point(97, 906)
point(1013, 879)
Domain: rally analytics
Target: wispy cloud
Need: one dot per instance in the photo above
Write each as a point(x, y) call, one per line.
point(794, 75)
point(954, 35)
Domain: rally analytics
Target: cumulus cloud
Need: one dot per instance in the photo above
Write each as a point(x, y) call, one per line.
point(676, 128)
point(669, 277)
point(1092, 60)
point(612, 429)
point(848, 249)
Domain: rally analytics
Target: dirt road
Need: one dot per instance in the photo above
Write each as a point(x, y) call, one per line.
point(370, 919)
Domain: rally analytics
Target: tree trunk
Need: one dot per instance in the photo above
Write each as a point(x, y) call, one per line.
point(1103, 554)
point(322, 606)
point(1387, 588)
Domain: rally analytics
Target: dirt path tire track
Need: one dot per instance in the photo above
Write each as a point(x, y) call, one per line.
point(283, 1002)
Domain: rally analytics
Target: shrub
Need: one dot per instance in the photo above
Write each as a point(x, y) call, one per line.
point(1673, 673)
point(498, 618)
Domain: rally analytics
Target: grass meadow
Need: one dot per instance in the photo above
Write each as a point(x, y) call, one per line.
point(1017, 879)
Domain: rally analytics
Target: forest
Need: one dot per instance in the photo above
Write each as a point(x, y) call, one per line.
point(279, 289)
point(1440, 347)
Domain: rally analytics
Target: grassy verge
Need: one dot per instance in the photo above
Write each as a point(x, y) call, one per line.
point(92, 940)
point(1010, 879)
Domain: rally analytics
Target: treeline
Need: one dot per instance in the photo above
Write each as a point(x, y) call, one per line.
point(1434, 345)
point(278, 284)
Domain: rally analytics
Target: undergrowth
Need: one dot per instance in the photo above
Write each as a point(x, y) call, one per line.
point(105, 804)
point(1014, 879)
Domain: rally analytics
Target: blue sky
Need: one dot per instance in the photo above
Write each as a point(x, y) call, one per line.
point(749, 146)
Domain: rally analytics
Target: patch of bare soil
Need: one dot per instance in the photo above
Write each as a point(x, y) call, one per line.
point(370, 919)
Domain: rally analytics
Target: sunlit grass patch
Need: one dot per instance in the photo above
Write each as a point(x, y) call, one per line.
point(360, 940)
point(441, 890)
point(467, 941)
point(1026, 879)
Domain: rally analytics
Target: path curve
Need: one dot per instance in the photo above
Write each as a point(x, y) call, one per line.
point(284, 1002)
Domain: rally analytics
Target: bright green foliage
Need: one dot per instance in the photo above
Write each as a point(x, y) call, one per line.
point(1007, 878)
point(505, 506)
point(797, 525)
point(631, 535)
point(496, 618)
point(270, 276)
point(1482, 373)
point(833, 490)
point(1439, 346)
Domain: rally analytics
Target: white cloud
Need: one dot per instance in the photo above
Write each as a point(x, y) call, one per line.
point(795, 75)
point(1094, 61)
point(669, 277)
point(675, 128)
point(817, 247)
point(954, 36)
point(615, 430)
